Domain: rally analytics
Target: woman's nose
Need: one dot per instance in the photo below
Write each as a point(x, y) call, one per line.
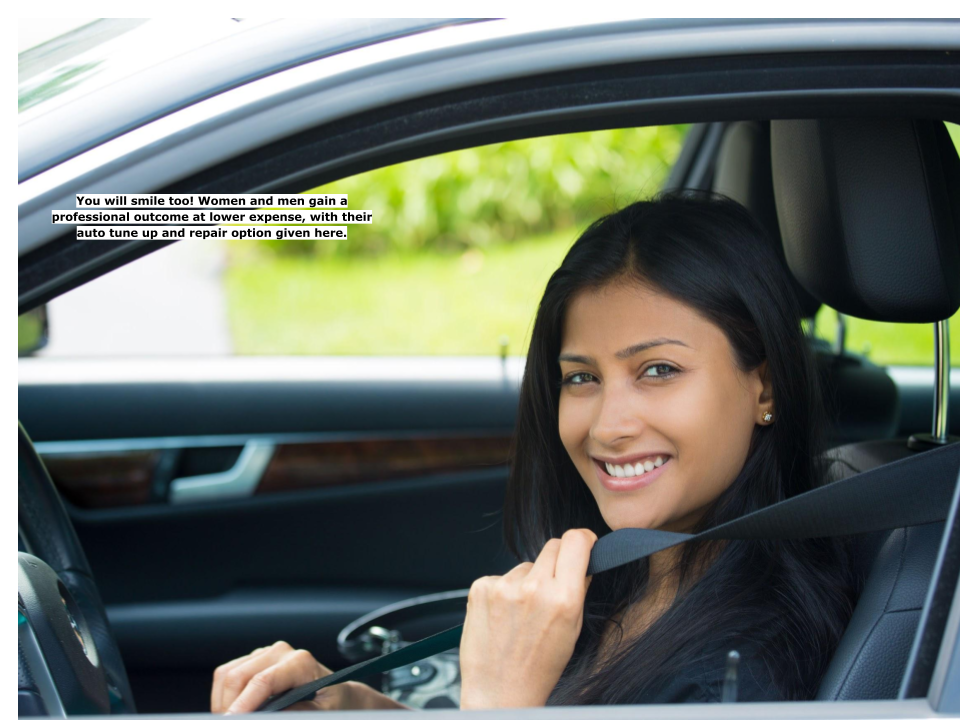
point(619, 419)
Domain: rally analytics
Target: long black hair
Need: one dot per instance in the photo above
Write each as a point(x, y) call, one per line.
point(790, 599)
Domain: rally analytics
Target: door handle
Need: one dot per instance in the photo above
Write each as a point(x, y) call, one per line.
point(239, 481)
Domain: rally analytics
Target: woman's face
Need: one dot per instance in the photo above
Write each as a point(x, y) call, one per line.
point(649, 380)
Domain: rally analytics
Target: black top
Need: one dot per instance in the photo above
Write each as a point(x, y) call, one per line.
point(703, 682)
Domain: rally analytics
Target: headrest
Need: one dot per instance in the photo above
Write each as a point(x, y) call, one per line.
point(743, 174)
point(869, 213)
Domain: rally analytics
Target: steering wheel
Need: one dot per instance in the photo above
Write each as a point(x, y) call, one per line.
point(65, 635)
point(379, 631)
point(430, 683)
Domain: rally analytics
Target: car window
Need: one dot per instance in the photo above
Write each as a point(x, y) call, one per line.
point(454, 263)
point(92, 54)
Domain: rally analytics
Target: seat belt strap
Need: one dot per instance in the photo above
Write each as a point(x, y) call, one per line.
point(912, 491)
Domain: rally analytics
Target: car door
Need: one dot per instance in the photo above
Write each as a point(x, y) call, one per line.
point(362, 492)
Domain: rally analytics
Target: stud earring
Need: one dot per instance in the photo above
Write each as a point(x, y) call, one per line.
point(767, 417)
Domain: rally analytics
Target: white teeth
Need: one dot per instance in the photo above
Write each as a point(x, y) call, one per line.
point(629, 470)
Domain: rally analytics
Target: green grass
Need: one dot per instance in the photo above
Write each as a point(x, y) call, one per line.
point(414, 305)
point(449, 305)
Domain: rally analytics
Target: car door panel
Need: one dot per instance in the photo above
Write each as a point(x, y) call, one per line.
point(376, 491)
point(435, 532)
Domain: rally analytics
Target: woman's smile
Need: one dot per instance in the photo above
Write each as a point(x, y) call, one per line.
point(621, 477)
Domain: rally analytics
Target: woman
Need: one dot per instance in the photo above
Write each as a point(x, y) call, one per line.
point(668, 385)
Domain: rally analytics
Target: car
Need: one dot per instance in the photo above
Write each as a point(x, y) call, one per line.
point(221, 503)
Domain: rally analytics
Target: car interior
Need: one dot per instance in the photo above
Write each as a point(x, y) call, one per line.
point(376, 502)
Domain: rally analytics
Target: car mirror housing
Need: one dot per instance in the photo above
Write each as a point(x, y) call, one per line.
point(33, 331)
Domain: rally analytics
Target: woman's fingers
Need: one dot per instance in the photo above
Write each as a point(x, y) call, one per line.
point(216, 692)
point(573, 557)
point(235, 678)
point(295, 668)
point(543, 568)
point(518, 572)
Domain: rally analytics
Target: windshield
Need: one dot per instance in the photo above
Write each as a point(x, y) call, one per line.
point(103, 51)
point(97, 79)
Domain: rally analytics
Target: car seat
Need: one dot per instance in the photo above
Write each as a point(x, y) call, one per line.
point(861, 399)
point(868, 214)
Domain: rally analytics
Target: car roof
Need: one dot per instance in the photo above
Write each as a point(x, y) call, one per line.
point(113, 75)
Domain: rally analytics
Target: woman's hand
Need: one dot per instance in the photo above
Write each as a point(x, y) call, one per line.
point(521, 628)
point(242, 685)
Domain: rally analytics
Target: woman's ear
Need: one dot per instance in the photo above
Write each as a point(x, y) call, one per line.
point(765, 409)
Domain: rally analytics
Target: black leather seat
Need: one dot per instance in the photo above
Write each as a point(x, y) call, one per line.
point(869, 215)
point(870, 661)
point(862, 401)
point(896, 566)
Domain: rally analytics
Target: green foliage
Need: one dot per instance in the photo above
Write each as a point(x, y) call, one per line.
point(426, 304)
point(495, 194)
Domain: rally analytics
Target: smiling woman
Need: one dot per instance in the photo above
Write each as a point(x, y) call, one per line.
point(668, 386)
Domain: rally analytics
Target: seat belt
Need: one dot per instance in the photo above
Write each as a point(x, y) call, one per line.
point(912, 491)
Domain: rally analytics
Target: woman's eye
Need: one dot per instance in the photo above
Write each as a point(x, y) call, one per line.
point(569, 379)
point(659, 370)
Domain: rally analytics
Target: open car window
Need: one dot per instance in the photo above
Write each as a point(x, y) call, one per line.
point(464, 241)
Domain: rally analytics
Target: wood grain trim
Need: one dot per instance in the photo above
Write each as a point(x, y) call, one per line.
point(104, 479)
point(321, 464)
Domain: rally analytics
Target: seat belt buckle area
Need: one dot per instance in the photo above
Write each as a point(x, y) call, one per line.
point(427, 684)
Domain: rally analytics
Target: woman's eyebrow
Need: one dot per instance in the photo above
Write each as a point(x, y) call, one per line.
point(622, 354)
